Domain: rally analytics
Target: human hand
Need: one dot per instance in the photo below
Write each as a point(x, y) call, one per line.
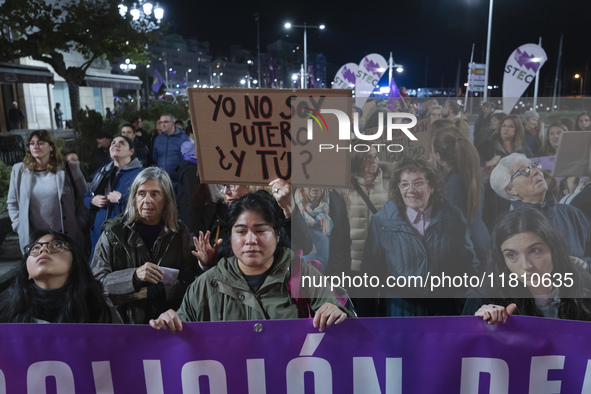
point(149, 272)
point(494, 314)
point(494, 161)
point(203, 250)
point(168, 320)
point(99, 201)
point(282, 193)
point(326, 315)
point(114, 197)
point(577, 261)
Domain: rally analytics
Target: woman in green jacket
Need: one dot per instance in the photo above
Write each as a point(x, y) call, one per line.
point(254, 283)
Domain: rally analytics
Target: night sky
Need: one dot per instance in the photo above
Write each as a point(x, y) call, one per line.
point(428, 37)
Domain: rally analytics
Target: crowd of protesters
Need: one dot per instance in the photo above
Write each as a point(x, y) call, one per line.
point(145, 242)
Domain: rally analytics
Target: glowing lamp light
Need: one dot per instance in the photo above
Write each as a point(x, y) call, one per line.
point(135, 13)
point(148, 8)
point(158, 13)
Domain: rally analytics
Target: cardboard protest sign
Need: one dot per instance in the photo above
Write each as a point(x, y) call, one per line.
point(322, 139)
point(245, 136)
point(573, 157)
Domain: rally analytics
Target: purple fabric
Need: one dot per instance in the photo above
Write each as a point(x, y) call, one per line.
point(426, 355)
point(394, 92)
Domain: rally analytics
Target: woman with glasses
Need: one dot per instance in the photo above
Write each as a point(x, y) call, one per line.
point(47, 193)
point(418, 234)
point(108, 193)
point(54, 284)
point(528, 248)
point(521, 182)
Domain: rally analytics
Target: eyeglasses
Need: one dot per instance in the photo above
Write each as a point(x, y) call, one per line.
point(416, 184)
point(54, 246)
point(230, 187)
point(526, 171)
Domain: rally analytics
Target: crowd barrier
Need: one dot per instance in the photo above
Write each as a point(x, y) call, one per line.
point(382, 355)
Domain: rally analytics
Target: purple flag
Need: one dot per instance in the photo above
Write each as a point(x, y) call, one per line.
point(157, 82)
point(394, 92)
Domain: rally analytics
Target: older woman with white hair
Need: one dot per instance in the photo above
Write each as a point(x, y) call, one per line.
point(143, 257)
point(518, 179)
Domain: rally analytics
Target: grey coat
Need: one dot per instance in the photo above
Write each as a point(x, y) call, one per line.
point(72, 212)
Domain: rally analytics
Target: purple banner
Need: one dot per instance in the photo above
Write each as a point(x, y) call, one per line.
point(385, 355)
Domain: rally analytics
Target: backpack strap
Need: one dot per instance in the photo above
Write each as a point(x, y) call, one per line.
point(365, 197)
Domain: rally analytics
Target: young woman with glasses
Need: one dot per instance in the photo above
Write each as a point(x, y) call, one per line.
point(54, 284)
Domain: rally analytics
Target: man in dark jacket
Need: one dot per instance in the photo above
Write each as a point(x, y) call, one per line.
point(141, 150)
point(16, 116)
point(167, 148)
point(101, 157)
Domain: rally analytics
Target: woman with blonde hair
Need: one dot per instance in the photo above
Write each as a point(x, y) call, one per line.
point(47, 193)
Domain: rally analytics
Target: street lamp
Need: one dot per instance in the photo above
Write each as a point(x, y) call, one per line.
point(490, 11)
point(391, 65)
point(577, 76)
point(127, 66)
point(144, 15)
point(305, 27)
point(187, 77)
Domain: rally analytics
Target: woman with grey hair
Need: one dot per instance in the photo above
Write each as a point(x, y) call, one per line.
point(521, 181)
point(143, 257)
point(530, 128)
